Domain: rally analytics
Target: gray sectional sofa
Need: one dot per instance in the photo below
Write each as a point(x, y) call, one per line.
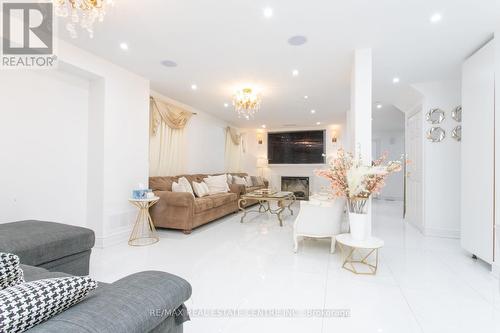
point(149, 301)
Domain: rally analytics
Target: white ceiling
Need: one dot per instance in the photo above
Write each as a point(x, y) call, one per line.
point(221, 44)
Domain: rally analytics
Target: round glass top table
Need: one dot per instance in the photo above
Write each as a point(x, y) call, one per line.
point(360, 256)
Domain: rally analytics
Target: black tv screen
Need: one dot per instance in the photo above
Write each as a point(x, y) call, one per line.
point(301, 147)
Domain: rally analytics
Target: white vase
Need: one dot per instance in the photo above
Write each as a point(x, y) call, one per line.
point(358, 224)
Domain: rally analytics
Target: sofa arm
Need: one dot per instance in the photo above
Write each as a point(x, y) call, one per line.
point(137, 303)
point(179, 199)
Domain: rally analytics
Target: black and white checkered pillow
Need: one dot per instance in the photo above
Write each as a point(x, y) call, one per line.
point(10, 271)
point(28, 304)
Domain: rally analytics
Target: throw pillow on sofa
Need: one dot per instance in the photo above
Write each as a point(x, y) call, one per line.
point(200, 189)
point(10, 271)
point(28, 304)
point(176, 187)
point(217, 184)
point(248, 179)
point(239, 180)
point(181, 187)
point(257, 181)
point(187, 186)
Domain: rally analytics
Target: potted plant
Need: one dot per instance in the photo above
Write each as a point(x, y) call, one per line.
point(350, 178)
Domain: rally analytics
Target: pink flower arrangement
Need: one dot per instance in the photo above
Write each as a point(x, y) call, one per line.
point(350, 178)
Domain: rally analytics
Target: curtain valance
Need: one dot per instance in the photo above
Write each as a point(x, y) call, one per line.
point(175, 117)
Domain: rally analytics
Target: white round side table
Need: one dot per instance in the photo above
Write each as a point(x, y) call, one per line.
point(144, 232)
point(369, 246)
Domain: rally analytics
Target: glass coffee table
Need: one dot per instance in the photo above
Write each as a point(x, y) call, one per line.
point(284, 201)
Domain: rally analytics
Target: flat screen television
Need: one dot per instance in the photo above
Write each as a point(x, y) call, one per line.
point(300, 147)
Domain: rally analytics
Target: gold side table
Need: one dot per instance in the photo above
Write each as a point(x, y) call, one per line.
point(144, 232)
point(365, 249)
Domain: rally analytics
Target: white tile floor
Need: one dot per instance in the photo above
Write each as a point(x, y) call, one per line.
point(423, 284)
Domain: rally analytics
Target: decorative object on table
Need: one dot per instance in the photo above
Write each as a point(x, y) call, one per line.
point(351, 178)
point(144, 231)
point(457, 133)
point(456, 114)
point(10, 271)
point(283, 200)
point(435, 116)
point(435, 134)
point(141, 192)
point(363, 249)
point(320, 217)
point(27, 304)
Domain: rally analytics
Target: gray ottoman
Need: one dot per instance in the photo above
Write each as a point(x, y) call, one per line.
point(56, 247)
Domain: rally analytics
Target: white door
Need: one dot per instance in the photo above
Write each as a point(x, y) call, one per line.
point(414, 170)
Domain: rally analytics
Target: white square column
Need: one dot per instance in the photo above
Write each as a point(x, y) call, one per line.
point(359, 117)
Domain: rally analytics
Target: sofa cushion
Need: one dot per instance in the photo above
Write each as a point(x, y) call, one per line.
point(39, 242)
point(202, 204)
point(220, 199)
point(217, 184)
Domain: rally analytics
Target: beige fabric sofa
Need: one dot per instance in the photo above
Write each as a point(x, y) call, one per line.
point(182, 211)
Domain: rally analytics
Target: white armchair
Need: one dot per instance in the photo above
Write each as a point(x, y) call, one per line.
point(319, 219)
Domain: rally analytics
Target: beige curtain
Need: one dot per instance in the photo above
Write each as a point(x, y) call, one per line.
point(233, 150)
point(166, 139)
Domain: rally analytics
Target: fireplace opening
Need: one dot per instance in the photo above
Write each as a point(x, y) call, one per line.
point(298, 185)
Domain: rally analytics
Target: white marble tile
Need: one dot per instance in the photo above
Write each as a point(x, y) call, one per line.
point(423, 284)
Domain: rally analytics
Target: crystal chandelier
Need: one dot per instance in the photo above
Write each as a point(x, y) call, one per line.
point(246, 103)
point(82, 12)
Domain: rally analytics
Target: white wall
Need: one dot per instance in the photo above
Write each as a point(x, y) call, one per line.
point(392, 142)
point(204, 140)
point(496, 264)
point(43, 146)
point(114, 143)
point(441, 163)
point(274, 172)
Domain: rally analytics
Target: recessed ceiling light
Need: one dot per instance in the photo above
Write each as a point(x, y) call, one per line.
point(169, 63)
point(268, 12)
point(318, 123)
point(124, 46)
point(194, 87)
point(306, 97)
point(297, 40)
point(295, 72)
point(226, 105)
point(395, 80)
point(313, 111)
point(263, 126)
point(379, 105)
point(436, 17)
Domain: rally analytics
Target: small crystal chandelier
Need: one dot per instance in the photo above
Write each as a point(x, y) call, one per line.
point(246, 103)
point(83, 12)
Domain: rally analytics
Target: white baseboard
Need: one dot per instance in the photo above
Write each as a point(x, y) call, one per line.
point(120, 237)
point(443, 233)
